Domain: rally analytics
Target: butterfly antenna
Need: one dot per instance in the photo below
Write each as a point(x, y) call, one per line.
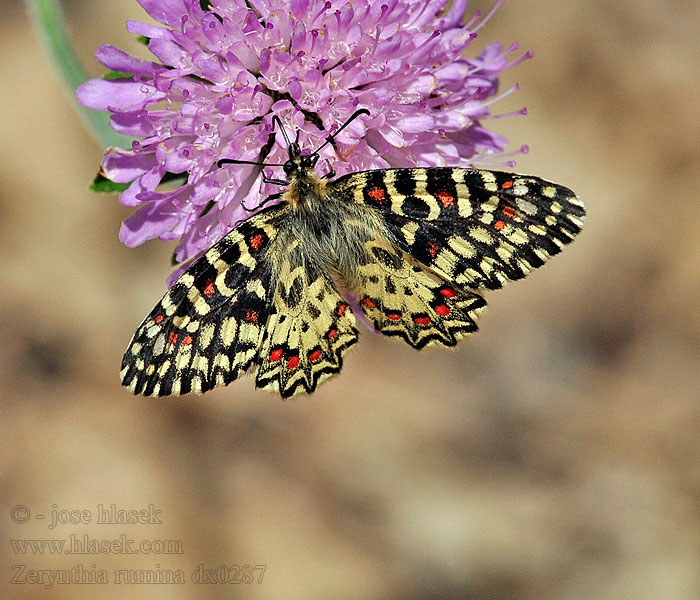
point(277, 120)
point(234, 161)
point(331, 138)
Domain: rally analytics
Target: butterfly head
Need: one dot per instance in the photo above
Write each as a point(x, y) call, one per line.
point(298, 162)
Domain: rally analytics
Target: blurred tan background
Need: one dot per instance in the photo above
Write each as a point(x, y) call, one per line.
point(556, 455)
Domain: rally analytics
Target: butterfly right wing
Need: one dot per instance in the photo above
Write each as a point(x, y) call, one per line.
point(445, 234)
point(253, 302)
point(207, 328)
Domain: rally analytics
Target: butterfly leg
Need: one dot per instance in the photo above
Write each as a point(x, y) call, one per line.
point(330, 173)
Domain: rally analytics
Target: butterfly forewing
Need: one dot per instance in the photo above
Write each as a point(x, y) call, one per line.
point(474, 228)
point(207, 328)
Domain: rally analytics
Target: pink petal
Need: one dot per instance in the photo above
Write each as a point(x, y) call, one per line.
point(147, 223)
point(152, 32)
point(118, 60)
point(100, 94)
point(416, 123)
point(168, 12)
point(167, 51)
point(123, 166)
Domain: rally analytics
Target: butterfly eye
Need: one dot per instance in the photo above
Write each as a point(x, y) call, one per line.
point(289, 167)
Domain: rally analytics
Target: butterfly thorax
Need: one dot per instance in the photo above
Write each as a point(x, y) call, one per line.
point(304, 191)
point(323, 228)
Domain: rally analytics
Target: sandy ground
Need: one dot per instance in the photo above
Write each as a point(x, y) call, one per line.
point(555, 455)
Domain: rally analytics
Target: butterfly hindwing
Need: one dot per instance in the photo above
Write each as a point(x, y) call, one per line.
point(309, 329)
point(403, 298)
point(475, 228)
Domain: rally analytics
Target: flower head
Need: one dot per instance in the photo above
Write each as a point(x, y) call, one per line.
point(223, 71)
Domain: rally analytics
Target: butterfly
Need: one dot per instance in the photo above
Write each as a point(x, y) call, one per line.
point(413, 248)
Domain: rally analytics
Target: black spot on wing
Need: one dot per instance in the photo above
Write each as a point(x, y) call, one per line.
point(477, 193)
point(440, 184)
point(387, 258)
point(231, 254)
point(375, 192)
point(204, 277)
point(404, 182)
point(415, 207)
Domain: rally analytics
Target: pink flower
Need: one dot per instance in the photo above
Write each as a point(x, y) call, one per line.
point(222, 73)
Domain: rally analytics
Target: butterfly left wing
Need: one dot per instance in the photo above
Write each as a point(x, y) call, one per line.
point(448, 233)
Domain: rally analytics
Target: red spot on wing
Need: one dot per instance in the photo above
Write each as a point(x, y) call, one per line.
point(208, 288)
point(158, 319)
point(499, 225)
point(332, 334)
point(172, 338)
point(368, 303)
point(377, 194)
point(256, 241)
point(509, 211)
point(433, 249)
point(422, 320)
point(315, 355)
point(251, 316)
point(507, 184)
point(275, 355)
point(293, 362)
point(187, 340)
point(448, 292)
point(393, 316)
point(341, 309)
point(442, 309)
point(446, 198)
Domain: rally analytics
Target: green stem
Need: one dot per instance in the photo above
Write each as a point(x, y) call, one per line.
point(48, 20)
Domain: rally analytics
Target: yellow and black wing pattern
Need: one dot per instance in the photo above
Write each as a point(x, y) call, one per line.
point(449, 234)
point(246, 305)
point(416, 248)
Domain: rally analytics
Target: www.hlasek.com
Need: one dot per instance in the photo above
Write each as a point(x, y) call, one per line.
point(84, 544)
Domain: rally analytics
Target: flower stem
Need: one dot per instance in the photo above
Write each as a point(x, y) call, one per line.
point(50, 25)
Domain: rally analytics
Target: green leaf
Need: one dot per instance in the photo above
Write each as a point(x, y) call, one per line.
point(117, 75)
point(200, 79)
point(177, 178)
point(102, 184)
point(143, 39)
